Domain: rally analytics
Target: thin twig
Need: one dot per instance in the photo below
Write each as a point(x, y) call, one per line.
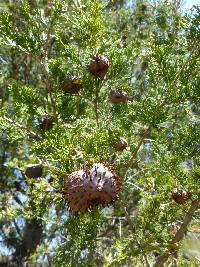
point(96, 100)
point(180, 233)
point(144, 256)
point(134, 155)
point(17, 229)
point(176, 79)
point(17, 200)
point(148, 264)
point(185, 63)
point(96, 105)
point(47, 46)
point(53, 102)
point(135, 152)
point(21, 126)
point(48, 83)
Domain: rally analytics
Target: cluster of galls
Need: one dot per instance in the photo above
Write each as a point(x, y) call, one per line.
point(98, 67)
point(180, 196)
point(84, 189)
point(97, 186)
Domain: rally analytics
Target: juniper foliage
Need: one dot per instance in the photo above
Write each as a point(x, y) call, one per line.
point(154, 53)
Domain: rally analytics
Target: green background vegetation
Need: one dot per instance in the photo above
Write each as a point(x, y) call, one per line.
point(154, 53)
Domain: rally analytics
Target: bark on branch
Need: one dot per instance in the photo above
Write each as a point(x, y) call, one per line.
point(180, 233)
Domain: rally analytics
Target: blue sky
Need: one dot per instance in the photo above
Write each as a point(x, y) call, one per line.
point(189, 3)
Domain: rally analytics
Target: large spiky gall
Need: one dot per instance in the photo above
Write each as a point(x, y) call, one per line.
point(34, 171)
point(180, 196)
point(85, 189)
point(72, 84)
point(46, 122)
point(99, 66)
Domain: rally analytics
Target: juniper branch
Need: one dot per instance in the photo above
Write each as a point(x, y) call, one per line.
point(21, 126)
point(180, 233)
point(187, 61)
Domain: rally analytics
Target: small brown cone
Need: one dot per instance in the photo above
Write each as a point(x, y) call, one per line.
point(34, 171)
point(118, 96)
point(180, 196)
point(99, 66)
point(46, 122)
point(72, 84)
point(122, 144)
